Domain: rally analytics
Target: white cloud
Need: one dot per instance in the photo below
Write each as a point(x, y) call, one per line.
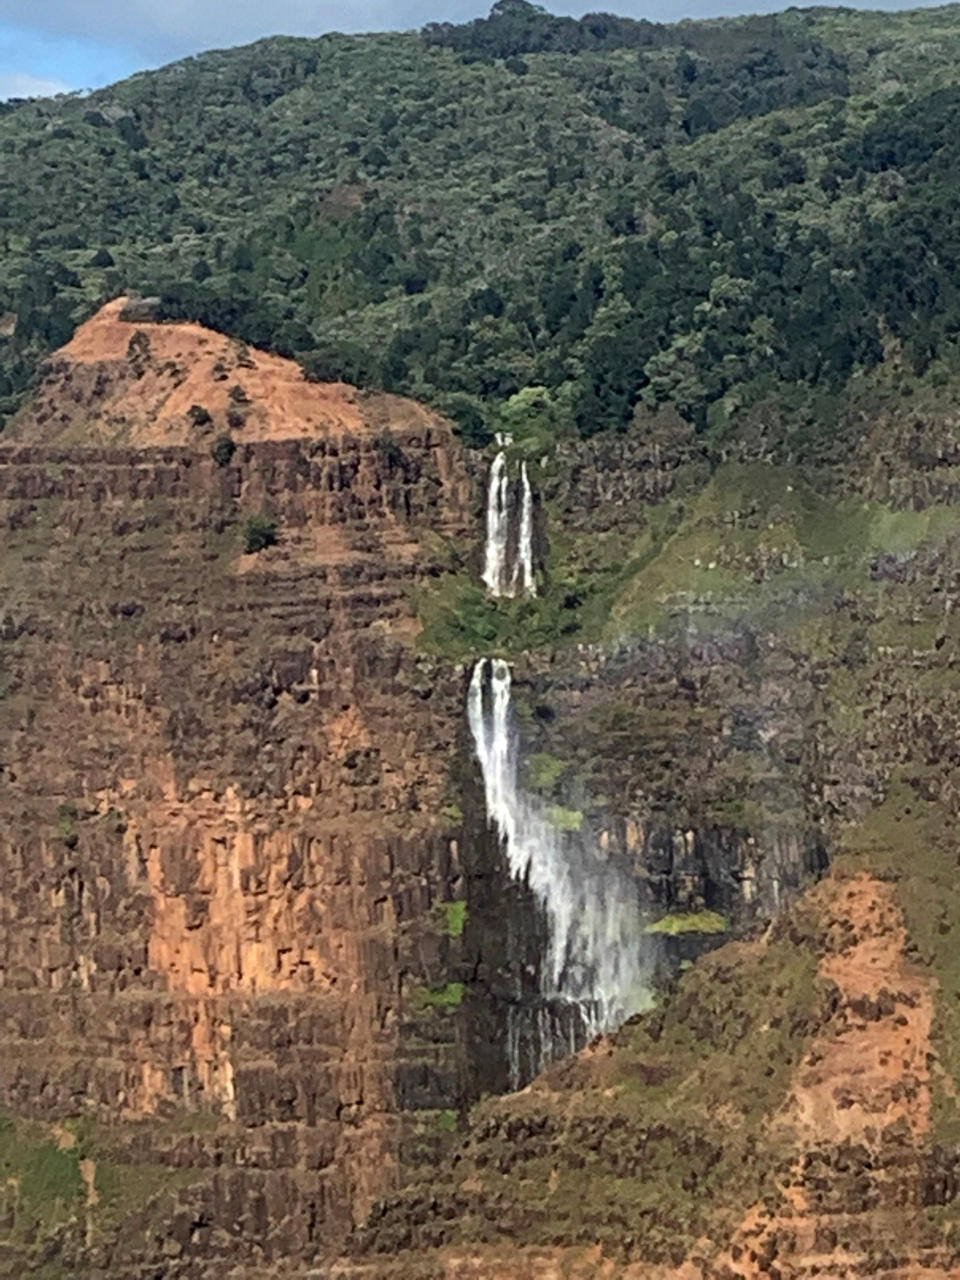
point(18, 84)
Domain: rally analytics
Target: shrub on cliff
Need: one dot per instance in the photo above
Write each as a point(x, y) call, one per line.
point(199, 416)
point(224, 447)
point(259, 532)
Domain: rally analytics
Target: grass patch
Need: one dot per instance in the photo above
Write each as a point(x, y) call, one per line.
point(761, 537)
point(455, 918)
point(447, 1121)
point(564, 819)
point(448, 996)
point(690, 922)
point(41, 1179)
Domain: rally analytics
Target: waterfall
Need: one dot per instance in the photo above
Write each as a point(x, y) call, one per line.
point(592, 975)
point(523, 579)
point(498, 523)
point(498, 576)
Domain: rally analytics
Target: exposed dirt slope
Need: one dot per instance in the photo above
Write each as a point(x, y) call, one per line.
point(135, 383)
point(858, 1114)
point(849, 1176)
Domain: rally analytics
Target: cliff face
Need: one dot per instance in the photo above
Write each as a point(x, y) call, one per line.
point(260, 949)
point(790, 1109)
point(224, 779)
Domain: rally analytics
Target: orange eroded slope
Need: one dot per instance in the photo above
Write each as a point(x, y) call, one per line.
point(134, 383)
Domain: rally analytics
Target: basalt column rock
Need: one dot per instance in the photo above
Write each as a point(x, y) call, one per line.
point(227, 838)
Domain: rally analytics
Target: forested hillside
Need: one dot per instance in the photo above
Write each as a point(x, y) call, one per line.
point(614, 213)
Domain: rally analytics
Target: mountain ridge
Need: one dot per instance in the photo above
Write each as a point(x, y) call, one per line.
point(445, 187)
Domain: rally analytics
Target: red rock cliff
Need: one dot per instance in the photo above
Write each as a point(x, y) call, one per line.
point(222, 779)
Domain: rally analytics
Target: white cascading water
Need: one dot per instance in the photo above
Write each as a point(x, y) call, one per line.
point(524, 582)
point(594, 955)
point(592, 976)
point(499, 578)
point(498, 522)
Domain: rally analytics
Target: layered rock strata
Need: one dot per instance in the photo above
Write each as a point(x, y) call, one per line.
point(224, 778)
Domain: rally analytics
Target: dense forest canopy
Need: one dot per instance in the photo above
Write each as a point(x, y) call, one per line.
point(617, 213)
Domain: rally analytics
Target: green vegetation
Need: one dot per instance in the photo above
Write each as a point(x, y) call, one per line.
point(66, 1185)
point(455, 914)
point(259, 532)
point(564, 819)
point(592, 214)
point(763, 541)
point(41, 1185)
point(446, 997)
point(224, 447)
point(543, 771)
point(690, 922)
point(460, 620)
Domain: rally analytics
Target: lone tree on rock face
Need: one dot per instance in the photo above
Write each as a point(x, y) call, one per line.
point(223, 450)
point(259, 533)
point(199, 416)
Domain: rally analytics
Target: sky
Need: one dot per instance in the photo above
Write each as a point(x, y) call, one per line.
point(51, 46)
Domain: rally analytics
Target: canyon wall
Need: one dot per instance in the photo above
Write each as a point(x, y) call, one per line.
point(228, 838)
point(261, 950)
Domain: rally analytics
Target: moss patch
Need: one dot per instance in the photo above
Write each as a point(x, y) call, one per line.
point(543, 771)
point(448, 996)
point(690, 922)
point(455, 914)
point(564, 819)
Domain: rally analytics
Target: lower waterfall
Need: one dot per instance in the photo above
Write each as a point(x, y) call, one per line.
point(592, 976)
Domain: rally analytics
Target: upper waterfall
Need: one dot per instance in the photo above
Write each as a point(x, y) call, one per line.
point(524, 582)
point(508, 568)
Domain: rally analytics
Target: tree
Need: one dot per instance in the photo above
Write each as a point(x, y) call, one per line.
point(222, 451)
point(259, 532)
